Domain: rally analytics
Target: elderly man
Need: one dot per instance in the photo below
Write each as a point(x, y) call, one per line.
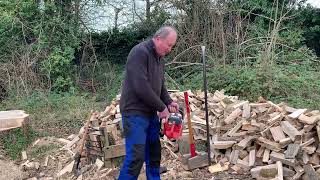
point(145, 99)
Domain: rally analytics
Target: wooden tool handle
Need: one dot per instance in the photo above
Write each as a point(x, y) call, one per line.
point(191, 141)
point(85, 133)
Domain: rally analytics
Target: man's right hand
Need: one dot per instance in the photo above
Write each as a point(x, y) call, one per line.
point(164, 114)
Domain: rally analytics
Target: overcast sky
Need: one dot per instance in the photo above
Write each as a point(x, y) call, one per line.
point(107, 15)
point(315, 3)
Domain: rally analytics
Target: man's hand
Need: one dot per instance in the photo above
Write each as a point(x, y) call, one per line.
point(173, 107)
point(164, 114)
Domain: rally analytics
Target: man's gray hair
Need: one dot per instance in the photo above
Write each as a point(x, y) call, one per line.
point(164, 31)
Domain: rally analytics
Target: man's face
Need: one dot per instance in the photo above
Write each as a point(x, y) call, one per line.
point(164, 45)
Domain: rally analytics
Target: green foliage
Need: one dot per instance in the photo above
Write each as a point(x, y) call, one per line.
point(15, 141)
point(59, 67)
point(297, 85)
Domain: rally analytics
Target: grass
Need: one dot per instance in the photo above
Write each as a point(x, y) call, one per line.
point(54, 113)
point(14, 141)
point(51, 114)
point(41, 150)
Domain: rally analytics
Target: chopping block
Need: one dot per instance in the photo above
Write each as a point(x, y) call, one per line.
point(198, 161)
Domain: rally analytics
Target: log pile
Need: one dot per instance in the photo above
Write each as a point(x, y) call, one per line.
point(272, 141)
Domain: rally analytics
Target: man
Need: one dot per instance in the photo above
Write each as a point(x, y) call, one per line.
point(143, 95)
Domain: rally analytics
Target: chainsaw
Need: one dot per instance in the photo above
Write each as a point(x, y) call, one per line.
point(173, 127)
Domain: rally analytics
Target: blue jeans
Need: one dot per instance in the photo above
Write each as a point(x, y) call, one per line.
point(142, 145)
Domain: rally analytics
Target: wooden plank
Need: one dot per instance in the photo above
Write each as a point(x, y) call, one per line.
point(115, 151)
point(246, 113)
point(243, 163)
point(266, 155)
point(243, 154)
point(73, 141)
point(292, 151)
point(305, 157)
point(248, 127)
point(280, 157)
point(252, 157)
point(280, 171)
point(277, 133)
point(223, 144)
point(269, 144)
point(284, 142)
point(309, 149)
point(311, 173)
point(314, 160)
point(289, 109)
point(235, 128)
point(307, 143)
point(307, 128)
point(290, 130)
point(278, 108)
point(288, 172)
point(275, 119)
point(66, 169)
point(244, 142)
point(12, 119)
point(24, 155)
point(268, 171)
point(260, 152)
point(308, 120)
point(234, 156)
point(99, 164)
point(219, 167)
point(232, 117)
point(297, 113)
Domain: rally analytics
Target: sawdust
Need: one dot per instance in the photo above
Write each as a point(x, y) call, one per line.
point(8, 170)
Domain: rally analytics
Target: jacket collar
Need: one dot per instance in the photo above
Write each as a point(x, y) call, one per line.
point(152, 47)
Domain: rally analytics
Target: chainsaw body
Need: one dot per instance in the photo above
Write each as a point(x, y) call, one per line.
point(173, 127)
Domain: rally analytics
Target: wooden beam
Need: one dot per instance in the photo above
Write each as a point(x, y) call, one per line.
point(246, 113)
point(311, 173)
point(115, 151)
point(234, 156)
point(296, 113)
point(223, 144)
point(308, 120)
point(280, 157)
point(235, 128)
point(231, 118)
point(277, 133)
point(269, 144)
point(12, 119)
point(244, 142)
point(290, 130)
point(292, 151)
point(264, 172)
point(266, 155)
point(252, 157)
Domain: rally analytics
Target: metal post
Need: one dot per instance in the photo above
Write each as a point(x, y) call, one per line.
point(206, 102)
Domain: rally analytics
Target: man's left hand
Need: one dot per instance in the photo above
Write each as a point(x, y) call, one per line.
point(173, 107)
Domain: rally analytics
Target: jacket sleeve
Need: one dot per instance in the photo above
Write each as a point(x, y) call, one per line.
point(165, 97)
point(136, 67)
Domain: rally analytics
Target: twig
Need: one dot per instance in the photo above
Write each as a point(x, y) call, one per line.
point(170, 151)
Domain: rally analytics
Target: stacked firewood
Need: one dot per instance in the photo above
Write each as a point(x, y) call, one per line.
point(269, 140)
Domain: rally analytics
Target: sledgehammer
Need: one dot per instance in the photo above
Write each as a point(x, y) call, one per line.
point(192, 160)
point(191, 140)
